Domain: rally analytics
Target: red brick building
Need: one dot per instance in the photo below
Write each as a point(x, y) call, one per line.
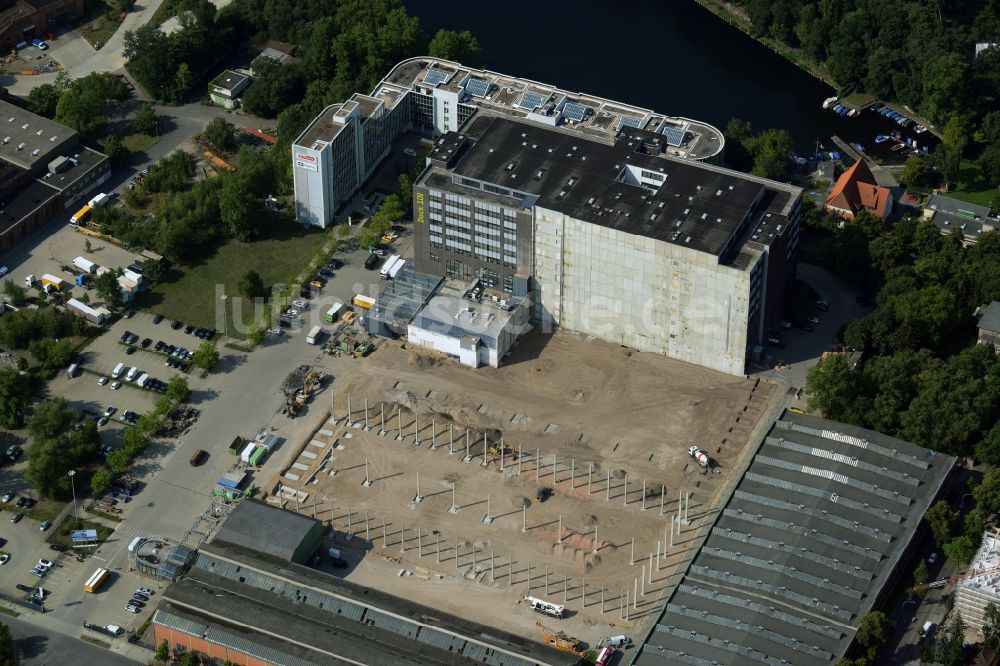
point(23, 20)
point(857, 190)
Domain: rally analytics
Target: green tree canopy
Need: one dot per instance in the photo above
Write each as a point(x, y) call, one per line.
point(456, 46)
point(15, 396)
point(146, 121)
point(205, 356)
point(220, 133)
point(57, 447)
point(252, 286)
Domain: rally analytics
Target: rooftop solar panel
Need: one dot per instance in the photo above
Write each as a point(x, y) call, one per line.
point(434, 77)
point(477, 87)
point(575, 111)
point(674, 135)
point(628, 121)
point(531, 100)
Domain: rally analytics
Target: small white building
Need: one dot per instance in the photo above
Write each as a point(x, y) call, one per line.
point(477, 326)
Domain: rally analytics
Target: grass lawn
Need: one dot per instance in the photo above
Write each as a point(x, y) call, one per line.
point(139, 143)
point(99, 22)
point(859, 99)
point(45, 510)
point(191, 294)
point(60, 534)
point(972, 189)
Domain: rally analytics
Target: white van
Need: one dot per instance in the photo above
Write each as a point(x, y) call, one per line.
point(117, 372)
point(71, 373)
point(141, 382)
point(132, 374)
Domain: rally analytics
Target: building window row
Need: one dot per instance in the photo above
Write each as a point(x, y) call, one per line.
point(457, 223)
point(458, 246)
point(436, 241)
point(435, 194)
point(493, 208)
point(436, 228)
point(464, 212)
point(487, 231)
point(434, 216)
point(509, 260)
point(459, 234)
point(510, 247)
point(435, 204)
point(455, 198)
point(510, 225)
point(480, 241)
point(486, 217)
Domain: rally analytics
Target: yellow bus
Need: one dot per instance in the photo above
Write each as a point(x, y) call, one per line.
point(94, 583)
point(81, 216)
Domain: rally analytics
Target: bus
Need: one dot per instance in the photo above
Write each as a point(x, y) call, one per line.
point(81, 216)
point(95, 582)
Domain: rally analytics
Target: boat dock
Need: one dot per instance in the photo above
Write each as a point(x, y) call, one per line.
point(882, 175)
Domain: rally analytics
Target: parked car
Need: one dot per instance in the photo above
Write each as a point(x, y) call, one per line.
point(326, 272)
point(110, 410)
point(139, 596)
point(823, 305)
point(335, 264)
point(302, 305)
point(146, 342)
point(131, 609)
point(145, 590)
point(176, 325)
point(48, 564)
point(4, 559)
point(814, 321)
point(57, 547)
point(16, 518)
point(115, 386)
point(44, 526)
point(283, 323)
point(102, 421)
point(102, 381)
point(379, 251)
point(157, 318)
point(8, 497)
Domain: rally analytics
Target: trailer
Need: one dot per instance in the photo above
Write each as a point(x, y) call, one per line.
point(396, 268)
point(389, 263)
point(52, 282)
point(362, 301)
point(83, 310)
point(314, 335)
point(85, 265)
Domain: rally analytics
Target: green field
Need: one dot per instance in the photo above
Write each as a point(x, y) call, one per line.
point(191, 294)
point(972, 188)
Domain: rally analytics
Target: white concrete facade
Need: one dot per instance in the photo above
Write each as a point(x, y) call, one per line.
point(643, 293)
point(473, 354)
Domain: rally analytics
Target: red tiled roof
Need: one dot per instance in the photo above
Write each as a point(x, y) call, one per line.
point(856, 189)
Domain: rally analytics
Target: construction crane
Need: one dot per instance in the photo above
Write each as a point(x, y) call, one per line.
point(951, 580)
point(560, 640)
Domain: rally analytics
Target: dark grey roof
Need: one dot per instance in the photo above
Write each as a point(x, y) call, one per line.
point(811, 534)
point(990, 321)
point(29, 198)
point(29, 140)
point(972, 220)
point(267, 529)
point(698, 205)
point(318, 614)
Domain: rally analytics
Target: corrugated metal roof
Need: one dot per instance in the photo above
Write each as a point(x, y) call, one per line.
point(178, 623)
point(253, 648)
point(266, 529)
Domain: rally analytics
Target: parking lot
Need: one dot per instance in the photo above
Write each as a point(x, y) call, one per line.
point(56, 250)
point(25, 543)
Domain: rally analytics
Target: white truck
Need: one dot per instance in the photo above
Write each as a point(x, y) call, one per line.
point(85, 265)
point(99, 200)
point(314, 335)
point(700, 456)
point(389, 263)
point(544, 607)
point(398, 266)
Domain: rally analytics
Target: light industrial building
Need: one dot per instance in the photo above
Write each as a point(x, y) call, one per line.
point(819, 530)
point(248, 601)
point(341, 148)
point(953, 215)
point(44, 171)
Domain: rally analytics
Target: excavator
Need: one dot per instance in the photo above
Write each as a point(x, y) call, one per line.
point(560, 640)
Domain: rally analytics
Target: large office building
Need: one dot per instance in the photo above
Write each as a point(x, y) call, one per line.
point(821, 528)
point(341, 148)
point(44, 171)
point(607, 219)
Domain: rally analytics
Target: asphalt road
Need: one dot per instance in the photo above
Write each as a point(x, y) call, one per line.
point(50, 648)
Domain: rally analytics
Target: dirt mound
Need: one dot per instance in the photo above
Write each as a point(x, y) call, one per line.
point(519, 501)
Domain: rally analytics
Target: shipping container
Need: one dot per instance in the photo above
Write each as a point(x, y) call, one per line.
point(52, 281)
point(247, 450)
point(232, 480)
point(236, 446)
point(80, 308)
point(366, 302)
point(258, 455)
point(314, 335)
point(333, 313)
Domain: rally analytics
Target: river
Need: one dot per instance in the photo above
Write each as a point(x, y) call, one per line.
point(672, 57)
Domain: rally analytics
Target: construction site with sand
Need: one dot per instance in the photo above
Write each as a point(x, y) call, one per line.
point(565, 475)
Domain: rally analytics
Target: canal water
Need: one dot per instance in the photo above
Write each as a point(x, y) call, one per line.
point(674, 57)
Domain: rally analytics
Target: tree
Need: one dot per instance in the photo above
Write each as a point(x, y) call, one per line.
point(205, 356)
point(101, 481)
point(135, 441)
point(219, 133)
point(6, 646)
point(275, 87)
point(57, 447)
point(146, 121)
point(183, 82)
point(15, 396)
point(162, 651)
point(118, 461)
point(108, 289)
point(949, 647)
point(921, 576)
point(961, 549)
point(44, 99)
point(177, 388)
point(913, 172)
point(941, 520)
point(833, 388)
point(460, 47)
point(873, 632)
point(79, 109)
point(991, 626)
point(15, 293)
point(252, 286)
point(240, 209)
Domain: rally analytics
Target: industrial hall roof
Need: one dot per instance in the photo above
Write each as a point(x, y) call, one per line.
point(814, 530)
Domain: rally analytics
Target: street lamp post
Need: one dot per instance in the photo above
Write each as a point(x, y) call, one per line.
point(72, 482)
point(225, 318)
